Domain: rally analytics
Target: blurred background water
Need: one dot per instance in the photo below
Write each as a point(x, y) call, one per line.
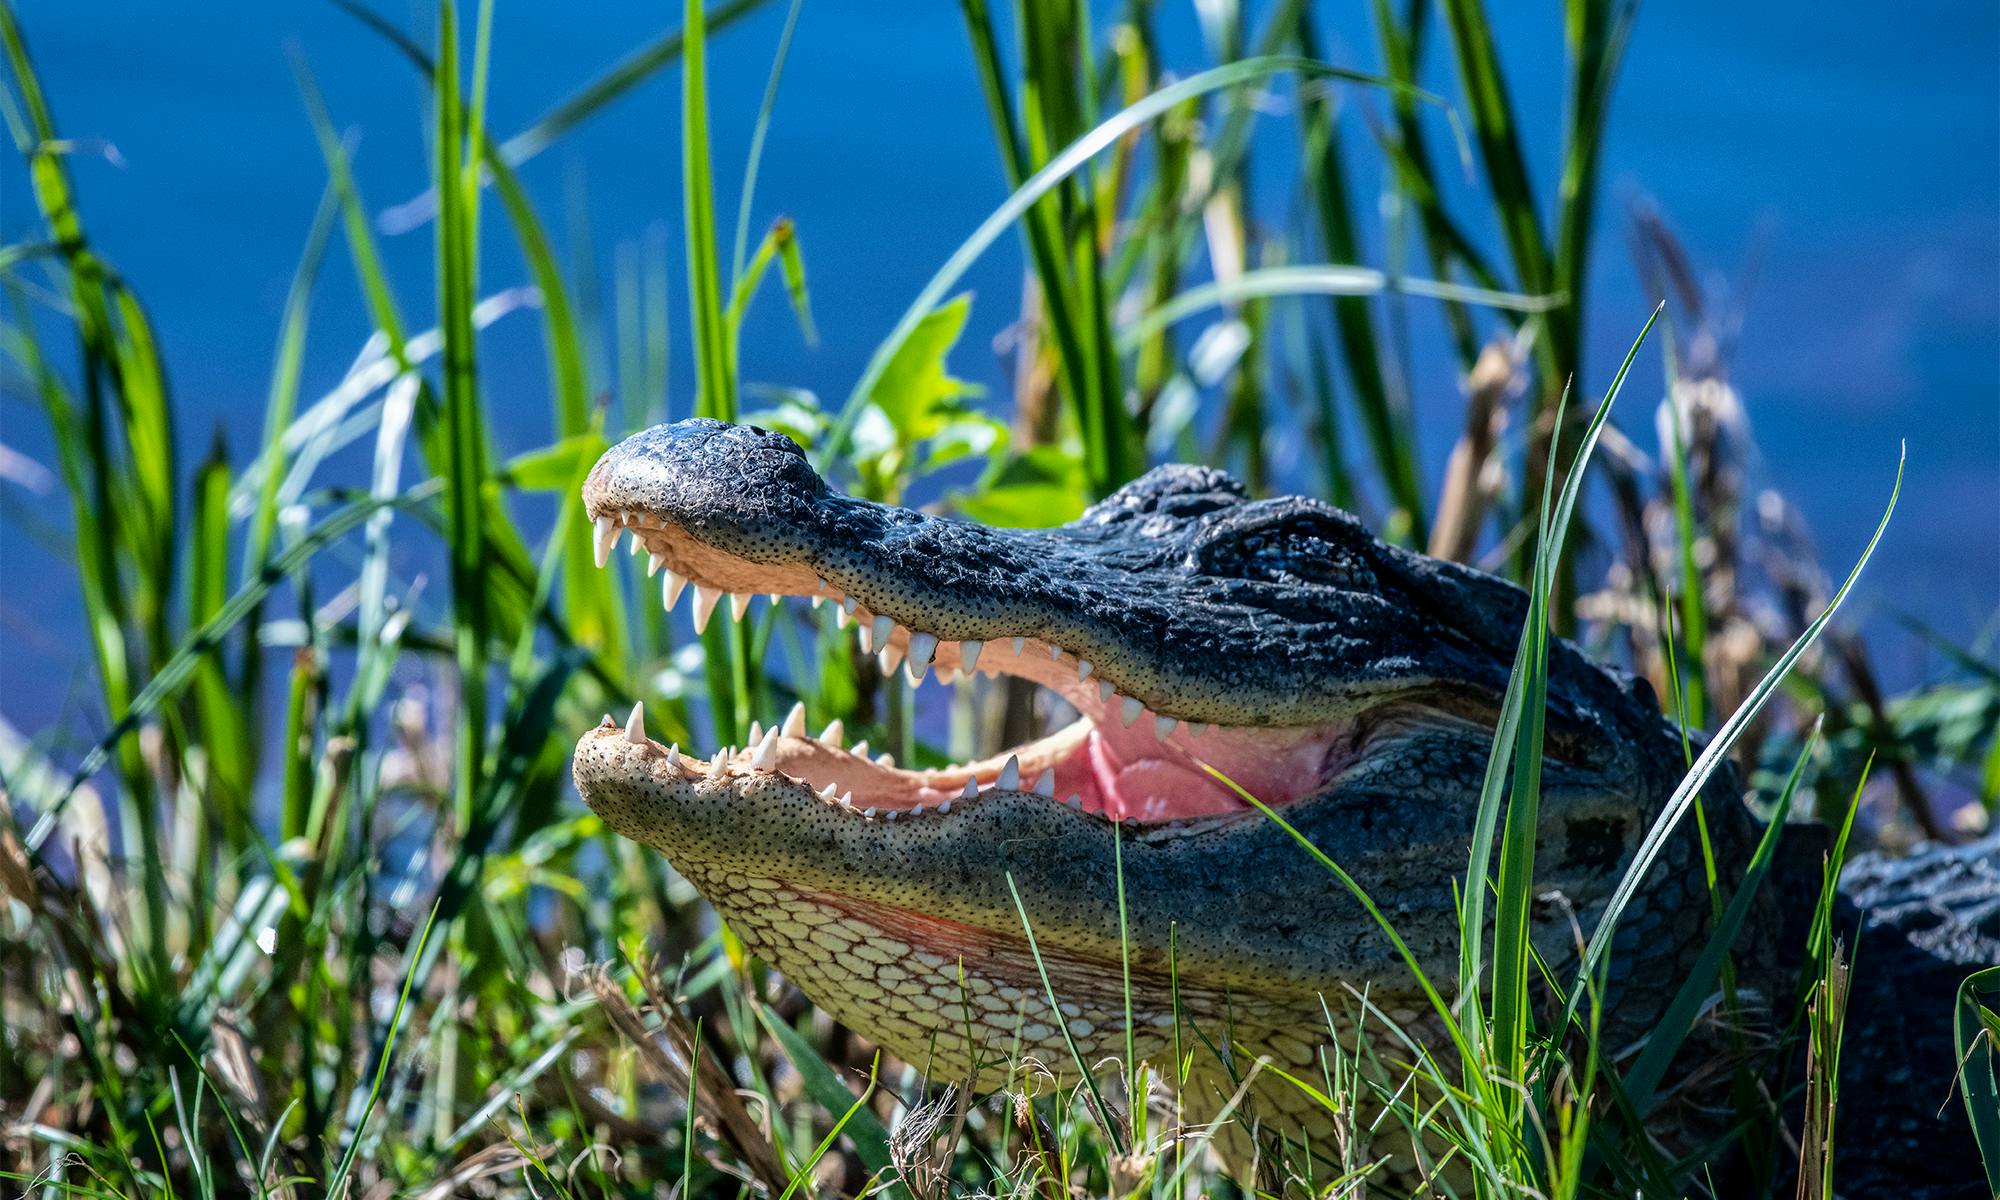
point(1847, 169)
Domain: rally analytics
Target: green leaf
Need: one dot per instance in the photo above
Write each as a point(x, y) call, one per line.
point(915, 383)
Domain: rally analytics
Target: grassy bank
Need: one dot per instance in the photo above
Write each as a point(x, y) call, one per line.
point(305, 905)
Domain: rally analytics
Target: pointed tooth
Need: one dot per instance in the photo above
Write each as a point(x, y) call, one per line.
point(826, 793)
point(847, 605)
point(971, 789)
point(1075, 801)
point(1083, 668)
point(674, 756)
point(859, 749)
point(885, 759)
point(766, 756)
point(833, 734)
point(848, 799)
point(917, 811)
point(671, 584)
point(635, 725)
point(944, 806)
point(739, 603)
point(1017, 644)
point(841, 617)
point(1197, 728)
point(1046, 784)
point(881, 628)
point(607, 537)
point(923, 647)
point(654, 561)
point(1104, 690)
point(795, 721)
point(1010, 775)
point(638, 545)
point(1162, 726)
point(968, 655)
point(1055, 652)
point(718, 767)
point(818, 600)
point(822, 586)
point(777, 597)
point(890, 815)
point(888, 658)
point(756, 733)
point(704, 605)
point(1129, 710)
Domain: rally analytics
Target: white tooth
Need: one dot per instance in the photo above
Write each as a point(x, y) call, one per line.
point(1083, 668)
point(739, 603)
point(885, 759)
point(944, 806)
point(834, 732)
point(1197, 728)
point(922, 647)
point(1129, 710)
point(1010, 775)
point(818, 600)
point(1055, 652)
point(971, 789)
point(968, 655)
point(847, 605)
point(847, 798)
point(756, 733)
point(890, 656)
point(795, 721)
point(947, 675)
point(826, 793)
point(918, 811)
point(607, 537)
point(638, 545)
point(821, 581)
point(654, 561)
point(1104, 690)
point(1075, 801)
point(777, 597)
point(890, 815)
point(671, 585)
point(859, 749)
point(767, 753)
point(1046, 785)
point(1162, 726)
point(674, 756)
point(882, 627)
point(1018, 643)
point(719, 767)
point(704, 605)
point(635, 725)
point(840, 618)
point(864, 637)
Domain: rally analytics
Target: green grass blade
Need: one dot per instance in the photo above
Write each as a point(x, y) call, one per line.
point(1712, 755)
point(1064, 164)
point(1975, 1034)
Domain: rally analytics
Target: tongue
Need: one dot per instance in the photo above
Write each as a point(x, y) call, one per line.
point(1142, 778)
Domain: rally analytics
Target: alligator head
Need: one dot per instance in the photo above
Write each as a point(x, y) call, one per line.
point(1350, 686)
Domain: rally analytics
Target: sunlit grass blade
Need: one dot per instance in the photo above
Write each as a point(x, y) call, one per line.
point(1060, 167)
point(1712, 755)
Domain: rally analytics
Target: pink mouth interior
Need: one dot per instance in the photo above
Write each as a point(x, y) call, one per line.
point(1101, 766)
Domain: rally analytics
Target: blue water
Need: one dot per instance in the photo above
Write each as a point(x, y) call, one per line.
point(1857, 161)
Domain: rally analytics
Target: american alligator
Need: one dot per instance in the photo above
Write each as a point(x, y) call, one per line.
point(1350, 685)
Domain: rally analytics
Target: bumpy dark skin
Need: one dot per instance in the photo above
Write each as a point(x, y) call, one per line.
point(1209, 607)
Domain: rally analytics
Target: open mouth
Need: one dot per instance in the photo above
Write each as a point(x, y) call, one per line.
point(1121, 759)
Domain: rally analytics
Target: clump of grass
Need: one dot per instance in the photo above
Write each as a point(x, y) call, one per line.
point(307, 908)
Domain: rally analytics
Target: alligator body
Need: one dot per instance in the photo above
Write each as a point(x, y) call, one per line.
point(1349, 685)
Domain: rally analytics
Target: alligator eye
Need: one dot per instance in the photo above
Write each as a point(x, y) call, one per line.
point(1304, 545)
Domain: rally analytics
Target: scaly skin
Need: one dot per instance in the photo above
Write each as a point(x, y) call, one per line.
point(1351, 684)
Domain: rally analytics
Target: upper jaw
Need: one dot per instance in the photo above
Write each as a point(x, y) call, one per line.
point(738, 510)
